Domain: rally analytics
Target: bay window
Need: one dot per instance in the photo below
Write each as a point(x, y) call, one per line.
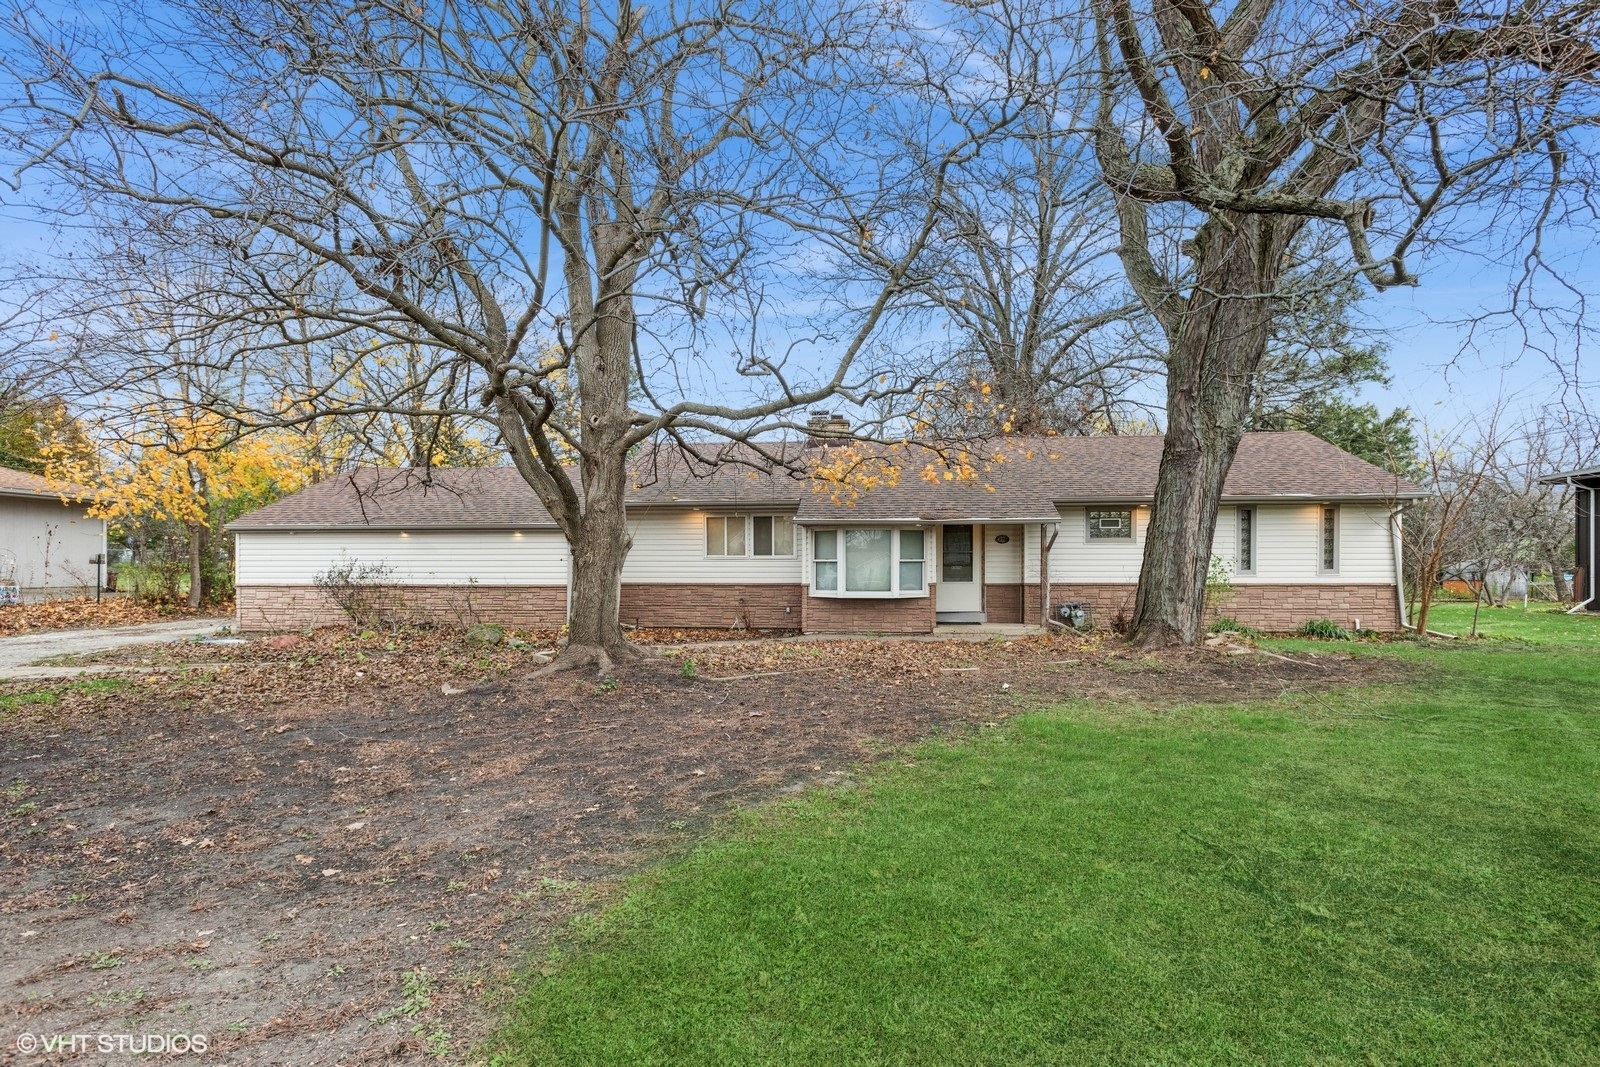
point(868, 561)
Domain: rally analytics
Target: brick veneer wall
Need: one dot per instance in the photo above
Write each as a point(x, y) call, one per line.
point(896, 615)
point(1031, 608)
point(1280, 608)
point(761, 607)
point(1003, 603)
point(299, 607)
point(1274, 608)
point(1106, 602)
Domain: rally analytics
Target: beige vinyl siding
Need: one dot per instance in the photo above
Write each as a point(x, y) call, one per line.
point(51, 542)
point(670, 546)
point(1225, 540)
point(1287, 547)
point(1031, 549)
point(1366, 548)
point(1002, 564)
point(431, 557)
point(1076, 559)
point(1288, 543)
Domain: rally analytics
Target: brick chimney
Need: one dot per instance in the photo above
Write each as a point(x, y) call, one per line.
point(824, 428)
point(817, 428)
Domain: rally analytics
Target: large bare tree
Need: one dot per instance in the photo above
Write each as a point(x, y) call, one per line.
point(1023, 271)
point(568, 218)
point(1225, 131)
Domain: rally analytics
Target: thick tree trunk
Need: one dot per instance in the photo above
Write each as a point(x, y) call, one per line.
point(1211, 369)
point(1563, 591)
point(594, 626)
point(599, 537)
point(196, 564)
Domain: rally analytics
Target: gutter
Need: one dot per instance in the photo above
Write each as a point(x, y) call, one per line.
point(234, 527)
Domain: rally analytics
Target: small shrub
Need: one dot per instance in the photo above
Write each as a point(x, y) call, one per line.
point(1219, 583)
point(162, 582)
point(363, 592)
point(1325, 629)
point(1230, 624)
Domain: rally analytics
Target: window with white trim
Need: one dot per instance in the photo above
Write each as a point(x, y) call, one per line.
point(869, 561)
point(1108, 524)
point(1245, 557)
point(749, 535)
point(771, 535)
point(1328, 540)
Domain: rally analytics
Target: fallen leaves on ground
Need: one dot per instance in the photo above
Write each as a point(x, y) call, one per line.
point(889, 659)
point(333, 664)
point(84, 613)
point(331, 823)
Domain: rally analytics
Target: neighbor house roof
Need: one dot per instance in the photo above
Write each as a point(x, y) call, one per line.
point(21, 483)
point(1585, 475)
point(1010, 480)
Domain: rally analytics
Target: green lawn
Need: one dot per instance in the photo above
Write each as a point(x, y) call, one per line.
point(1539, 623)
point(1408, 874)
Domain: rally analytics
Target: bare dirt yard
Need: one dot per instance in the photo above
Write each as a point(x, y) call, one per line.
point(333, 851)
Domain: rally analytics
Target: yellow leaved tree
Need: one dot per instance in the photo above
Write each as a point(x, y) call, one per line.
point(175, 479)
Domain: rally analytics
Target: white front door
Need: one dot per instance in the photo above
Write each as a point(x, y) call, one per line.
point(960, 586)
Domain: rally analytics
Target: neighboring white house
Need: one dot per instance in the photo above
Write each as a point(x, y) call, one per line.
point(1037, 526)
point(47, 539)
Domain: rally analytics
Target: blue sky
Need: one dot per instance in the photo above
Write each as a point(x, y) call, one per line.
point(1443, 369)
point(1440, 370)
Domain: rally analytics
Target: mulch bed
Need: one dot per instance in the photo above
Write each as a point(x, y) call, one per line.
point(328, 852)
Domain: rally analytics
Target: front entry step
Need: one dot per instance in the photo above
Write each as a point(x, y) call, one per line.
point(960, 616)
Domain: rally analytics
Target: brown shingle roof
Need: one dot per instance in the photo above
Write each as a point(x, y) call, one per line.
point(499, 498)
point(21, 483)
point(402, 498)
point(1021, 480)
point(1038, 473)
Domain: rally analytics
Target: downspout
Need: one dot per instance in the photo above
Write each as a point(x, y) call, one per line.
point(1053, 528)
point(569, 581)
point(1400, 577)
point(1399, 567)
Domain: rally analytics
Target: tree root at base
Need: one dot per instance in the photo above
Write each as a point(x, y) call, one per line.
point(1155, 636)
point(604, 658)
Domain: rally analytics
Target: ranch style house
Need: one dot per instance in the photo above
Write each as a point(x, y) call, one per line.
point(1041, 527)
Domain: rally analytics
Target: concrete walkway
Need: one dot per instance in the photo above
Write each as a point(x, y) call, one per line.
point(16, 653)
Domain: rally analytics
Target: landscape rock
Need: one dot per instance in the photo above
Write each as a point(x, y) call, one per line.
point(485, 635)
